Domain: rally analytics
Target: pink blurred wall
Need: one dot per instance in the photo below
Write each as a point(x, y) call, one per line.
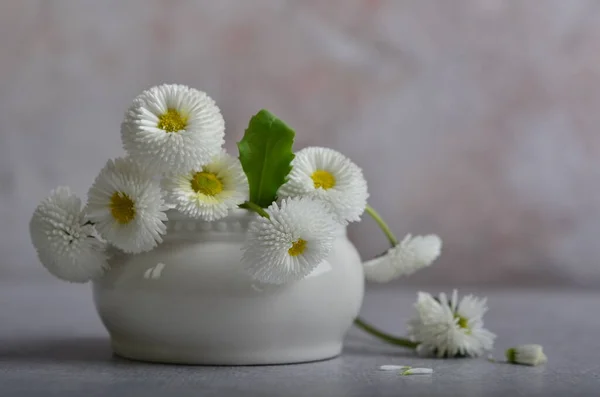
point(478, 120)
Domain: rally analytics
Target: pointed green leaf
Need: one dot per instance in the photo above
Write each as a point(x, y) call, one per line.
point(266, 156)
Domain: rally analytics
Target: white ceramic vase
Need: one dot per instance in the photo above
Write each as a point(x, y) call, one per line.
point(188, 301)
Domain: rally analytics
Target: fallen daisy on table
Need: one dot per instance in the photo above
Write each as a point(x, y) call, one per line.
point(447, 327)
point(529, 354)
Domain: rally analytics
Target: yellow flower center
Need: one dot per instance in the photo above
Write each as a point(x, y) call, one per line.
point(172, 121)
point(323, 179)
point(206, 183)
point(463, 322)
point(297, 248)
point(122, 208)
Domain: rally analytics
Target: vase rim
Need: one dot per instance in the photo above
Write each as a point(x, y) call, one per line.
point(234, 214)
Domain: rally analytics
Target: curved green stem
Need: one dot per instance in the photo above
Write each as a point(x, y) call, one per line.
point(368, 328)
point(382, 225)
point(248, 205)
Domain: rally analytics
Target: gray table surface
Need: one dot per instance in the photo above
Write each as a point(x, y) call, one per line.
point(52, 344)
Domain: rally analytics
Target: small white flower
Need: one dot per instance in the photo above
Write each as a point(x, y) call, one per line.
point(412, 254)
point(286, 247)
point(448, 328)
point(66, 244)
point(526, 355)
point(329, 176)
point(208, 192)
point(172, 128)
point(126, 205)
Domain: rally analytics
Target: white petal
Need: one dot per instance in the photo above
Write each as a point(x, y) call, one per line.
point(394, 367)
point(417, 371)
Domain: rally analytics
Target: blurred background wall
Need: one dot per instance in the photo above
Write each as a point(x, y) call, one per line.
point(478, 120)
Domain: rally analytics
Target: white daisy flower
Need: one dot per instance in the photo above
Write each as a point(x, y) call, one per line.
point(291, 243)
point(448, 328)
point(67, 245)
point(126, 205)
point(208, 192)
point(329, 176)
point(526, 355)
point(412, 254)
point(172, 128)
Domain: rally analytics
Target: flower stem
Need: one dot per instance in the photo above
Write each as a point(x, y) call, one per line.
point(382, 225)
point(368, 328)
point(248, 205)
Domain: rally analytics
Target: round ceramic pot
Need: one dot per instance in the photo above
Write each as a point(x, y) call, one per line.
point(189, 301)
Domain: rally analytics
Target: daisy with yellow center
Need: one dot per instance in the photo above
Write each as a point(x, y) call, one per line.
point(329, 176)
point(288, 245)
point(447, 327)
point(171, 128)
point(127, 207)
point(208, 192)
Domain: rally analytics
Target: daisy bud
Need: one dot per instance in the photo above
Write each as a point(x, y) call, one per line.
point(526, 355)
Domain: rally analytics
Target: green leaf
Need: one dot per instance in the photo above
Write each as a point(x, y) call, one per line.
point(266, 156)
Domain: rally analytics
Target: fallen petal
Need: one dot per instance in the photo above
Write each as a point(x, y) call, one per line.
point(417, 371)
point(394, 367)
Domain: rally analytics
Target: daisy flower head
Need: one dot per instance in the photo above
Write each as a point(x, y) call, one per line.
point(172, 128)
point(449, 327)
point(526, 355)
point(287, 246)
point(66, 244)
point(411, 255)
point(127, 206)
point(331, 177)
point(208, 192)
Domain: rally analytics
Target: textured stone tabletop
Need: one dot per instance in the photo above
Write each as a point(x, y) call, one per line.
point(52, 344)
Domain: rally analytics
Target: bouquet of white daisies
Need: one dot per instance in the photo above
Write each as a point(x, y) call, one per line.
point(173, 137)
